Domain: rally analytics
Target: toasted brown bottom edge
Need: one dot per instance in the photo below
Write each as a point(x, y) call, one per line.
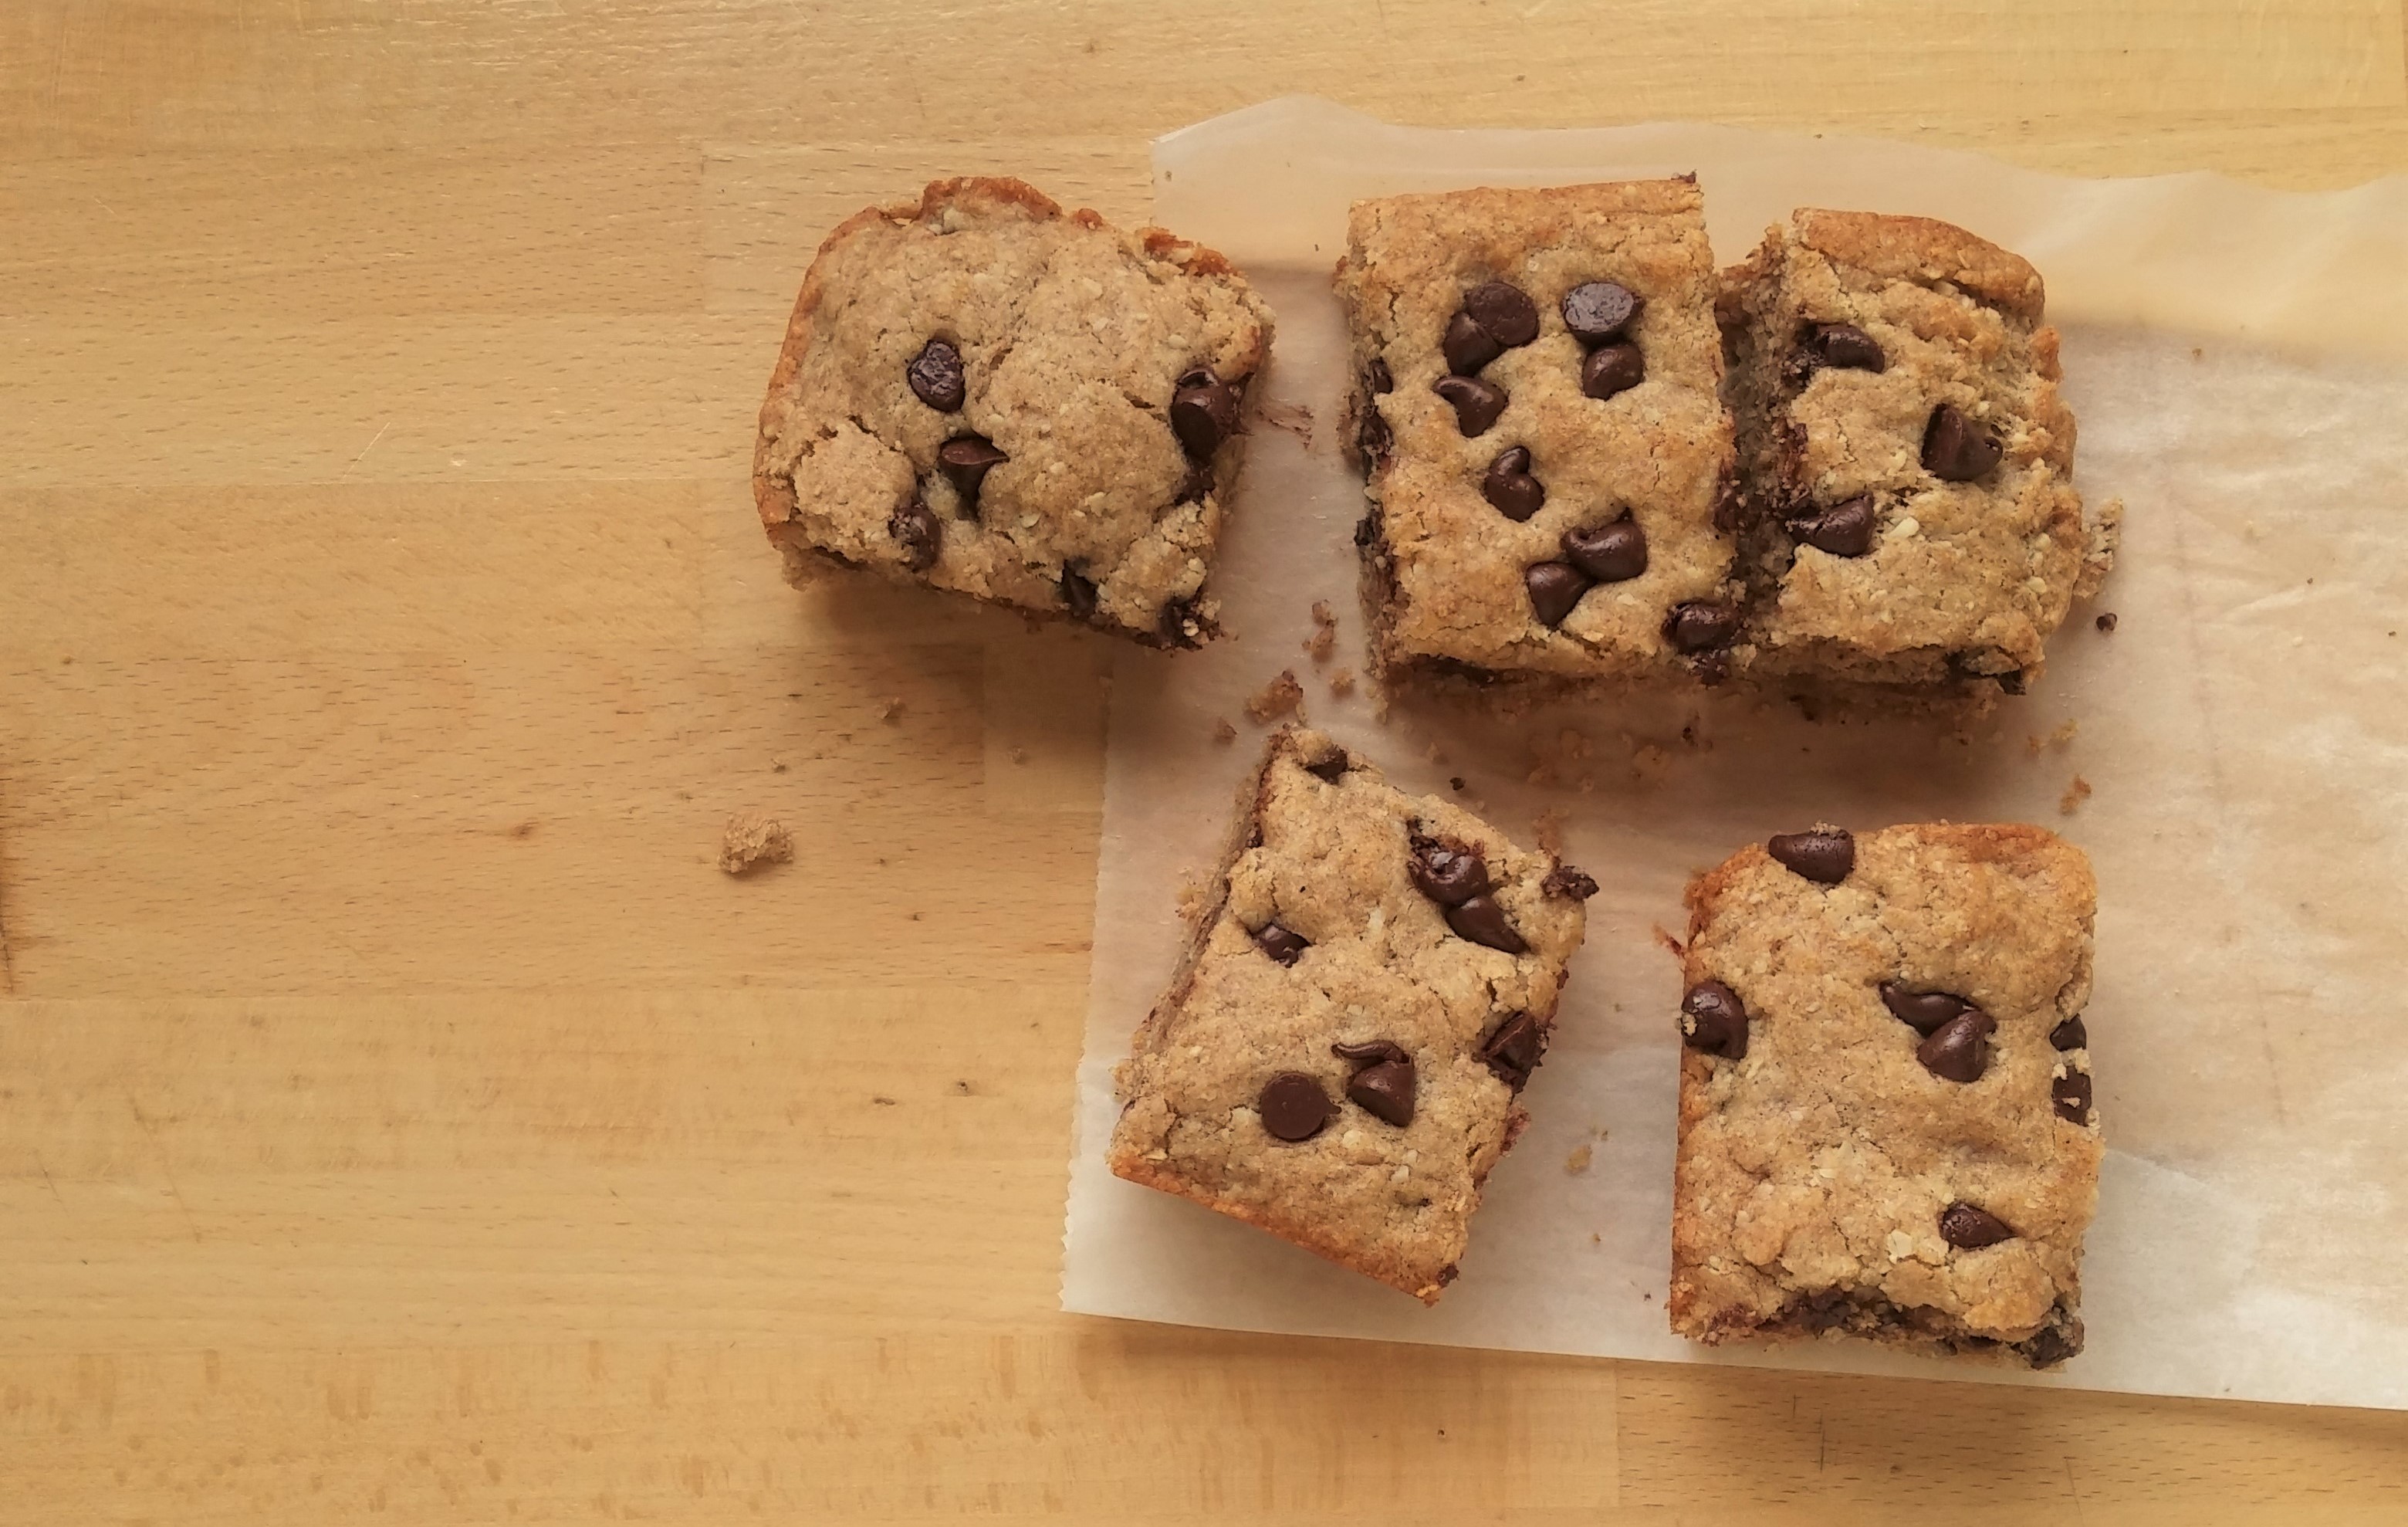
point(1920, 1327)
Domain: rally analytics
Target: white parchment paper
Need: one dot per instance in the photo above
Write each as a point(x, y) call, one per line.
point(2238, 361)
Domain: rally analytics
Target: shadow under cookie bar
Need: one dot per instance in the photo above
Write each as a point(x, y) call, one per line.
point(1340, 1054)
point(1886, 1127)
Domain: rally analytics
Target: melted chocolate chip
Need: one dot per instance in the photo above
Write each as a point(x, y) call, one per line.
point(1611, 553)
point(1714, 1020)
point(1597, 311)
point(1972, 1228)
point(1466, 346)
point(1613, 369)
point(1447, 875)
point(1281, 943)
point(1197, 484)
point(1925, 1011)
point(936, 378)
point(1510, 487)
point(915, 529)
point(1954, 1051)
point(1376, 377)
point(2070, 1094)
point(1563, 880)
point(1384, 1087)
point(1700, 625)
point(1483, 921)
point(1505, 311)
point(1477, 405)
point(2070, 1034)
point(2050, 1347)
point(1845, 346)
point(1822, 855)
point(965, 460)
point(1954, 448)
point(1078, 595)
point(1180, 625)
point(1371, 1050)
point(1203, 413)
point(1293, 1107)
point(1513, 1049)
point(1555, 588)
point(1845, 529)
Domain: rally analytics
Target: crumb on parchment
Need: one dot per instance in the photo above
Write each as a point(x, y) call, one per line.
point(1223, 733)
point(2075, 794)
point(1324, 639)
point(1341, 681)
point(752, 839)
point(1281, 697)
point(2059, 740)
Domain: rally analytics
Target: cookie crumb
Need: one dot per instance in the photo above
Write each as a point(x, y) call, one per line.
point(752, 839)
point(1192, 900)
point(1341, 681)
point(2057, 741)
point(1548, 828)
point(1020, 755)
point(1223, 733)
point(2105, 623)
point(1294, 418)
point(890, 709)
point(1577, 1162)
point(2075, 794)
point(1281, 697)
point(1324, 639)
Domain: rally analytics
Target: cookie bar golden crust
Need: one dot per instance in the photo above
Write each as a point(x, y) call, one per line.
point(1338, 1056)
point(1910, 523)
point(984, 394)
point(1538, 412)
point(1886, 1125)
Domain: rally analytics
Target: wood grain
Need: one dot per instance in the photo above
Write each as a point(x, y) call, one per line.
point(402, 1119)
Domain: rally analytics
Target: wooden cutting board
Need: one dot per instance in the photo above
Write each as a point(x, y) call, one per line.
point(400, 1116)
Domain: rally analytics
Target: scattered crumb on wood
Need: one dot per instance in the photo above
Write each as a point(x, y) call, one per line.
point(2106, 622)
point(776, 766)
point(2058, 739)
point(752, 839)
point(1295, 418)
point(1281, 697)
point(1020, 755)
point(1548, 828)
point(1223, 733)
point(1324, 639)
point(1577, 1162)
point(890, 709)
point(2075, 794)
point(1341, 681)
point(880, 1101)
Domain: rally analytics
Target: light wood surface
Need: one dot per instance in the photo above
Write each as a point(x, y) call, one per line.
point(402, 1119)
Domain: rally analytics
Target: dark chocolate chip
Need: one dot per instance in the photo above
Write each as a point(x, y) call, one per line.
point(1514, 1047)
point(1510, 487)
point(2105, 623)
point(1078, 595)
point(2070, 1094)
point(1845, 346)
point(1197, 484)
point(1483, 921)
point(1373, 441)
point(1963, 1225)
point(1466, 346)
point(1555, 588)
point(915, 529)
point(936, 376)
point(1181, 625)
point(1613, 369)
point(1367, 529)
point(1925, 1011)
point(1845, 529)
point(1597, 311)
point(1203, 413)
point(1729, 502)
point(1384, 1089)
point(1281, 943)
point(1331, 767)
point(1954, 1051)
point(1376, 377)
point(1954, 448)
point(1714, 1020)
point(1824, 856)
point(1611, 553)
point(2051, 1346)
point(1505, 311)
point(1447, 875)
point(1477, 404)
point(1700, 625)
point(965, 460)
point(2011, 681)
point(1563, 880)
point(1294, 1106)
point(2070, 1034)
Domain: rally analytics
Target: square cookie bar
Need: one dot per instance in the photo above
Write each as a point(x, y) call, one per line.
point(1885, 1122)
point(1338, 1056)
point(981, 393)
point(1539, 418)
point(1911, 522)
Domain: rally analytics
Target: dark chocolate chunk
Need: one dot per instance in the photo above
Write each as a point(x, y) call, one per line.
point(1700, 625)
point(1447, 875)
point(1845, 346)
point(1845, 529)
point(2070, 1034)
point(1510, 487)
point(1822, 855)
point(1077, 594)
point(1331, 767)
point(1926, 1010)
point(1281, 943)
point(1477, 405)
point(1483, 921)
point(1714, 1020)
point(915, 529)
point(965, 460)
point(1293, 1107)
point(1196, 484)
point(1203, 413)
point(1466, 346)
point(1611, 553)
point(1954, 1051)
point(1555, 588)
point(1954, 448)
point(1505, 311)
point(1514, 1047)
point(1384, 1088)
point(2011, 681)
point(1963, 1225)
point(1597, 311)
point(1563, 880)
point(2050, 1346)
point(2070, 1094)
point(1613, 369)
point(936, 376)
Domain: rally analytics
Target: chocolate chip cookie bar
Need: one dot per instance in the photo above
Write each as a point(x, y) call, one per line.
point(1538, 413)
point(1341, 1051)
point(981, 393)
point(1911, 523)
point(1886, 1124)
